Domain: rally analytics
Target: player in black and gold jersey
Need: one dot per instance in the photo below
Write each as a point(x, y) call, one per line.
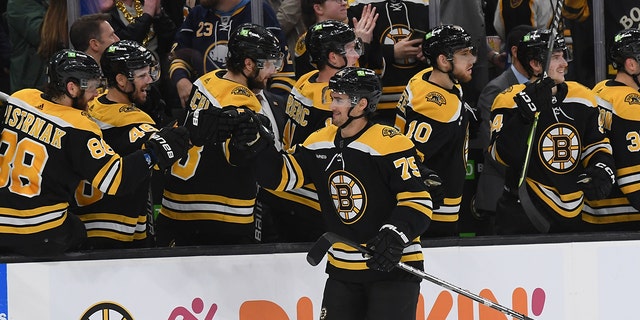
point(620, 101)
point(433, 114)
point(120, 221)
point(49, 144)
point(571, 156)
point(206, 199)
point(370, 191)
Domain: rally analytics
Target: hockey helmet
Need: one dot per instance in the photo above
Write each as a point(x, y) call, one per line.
point(626, 44)
point(358, 83)
point(72, 65)
point(328, 36)
point(126, 56)
point(255, 42)
point(535, 46)
point(446, 40)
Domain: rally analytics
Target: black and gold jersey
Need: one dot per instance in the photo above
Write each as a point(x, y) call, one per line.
point(46, 149)
point(397, 21)
point(204, 186)
point(620, 117)
point(569, 136)
point(436, 120)
point(116, 220)
point(363, 182)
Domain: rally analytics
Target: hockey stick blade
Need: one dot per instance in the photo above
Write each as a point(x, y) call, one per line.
point(324, 243)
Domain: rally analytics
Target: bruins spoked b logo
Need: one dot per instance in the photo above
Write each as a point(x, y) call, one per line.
point(559, 148)
point(349, 196)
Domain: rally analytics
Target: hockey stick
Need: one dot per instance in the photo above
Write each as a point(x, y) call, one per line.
point(324, 243)
point(537, 219)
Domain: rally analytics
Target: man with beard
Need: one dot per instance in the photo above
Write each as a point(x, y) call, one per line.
point(201, 44)
point(49, 143)
point(434, 115)
point(208, 197)
point(121, 221)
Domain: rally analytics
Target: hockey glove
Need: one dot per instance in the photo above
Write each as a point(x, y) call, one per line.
point(536, 97)
point(167, 146)
point(596, 181)
point(386, 248)
point(254, 134)
point(434, 185)
point(213, 124)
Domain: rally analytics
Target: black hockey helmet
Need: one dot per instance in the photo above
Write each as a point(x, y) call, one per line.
point(626, 44)
point(126, 56)
point(72, 65)
point(255, 42)
point(325, 37)
point(535, 46)
point(358, 83)
point(446, 40)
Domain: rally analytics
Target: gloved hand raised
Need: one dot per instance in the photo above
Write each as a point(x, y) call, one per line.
point(386, 248)
point(434, 185)
point(167, 146)
point(536, 97)
point(596, 181)
point(213, 124)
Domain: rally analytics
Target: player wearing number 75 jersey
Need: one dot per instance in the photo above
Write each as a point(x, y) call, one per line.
point(49, 144)
point(433, 114)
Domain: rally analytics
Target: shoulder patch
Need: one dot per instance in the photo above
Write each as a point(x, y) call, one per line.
point(241, 91)
point(300, 45)
point(632, 98)
point(127, 108)
point(436, 97)
point(390, 132)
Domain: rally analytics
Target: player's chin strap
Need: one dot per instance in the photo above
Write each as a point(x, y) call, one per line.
point(350, 117)
point(75, 101)
point(344, 57)
point(633, 76)
point(128, 94)
point(450, 72)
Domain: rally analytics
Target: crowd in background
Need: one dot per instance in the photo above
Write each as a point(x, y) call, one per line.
point(387, 38)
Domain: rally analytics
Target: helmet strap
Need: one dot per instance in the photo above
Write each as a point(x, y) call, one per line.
point(130, 93)
point(344, 58)
point(350, 117)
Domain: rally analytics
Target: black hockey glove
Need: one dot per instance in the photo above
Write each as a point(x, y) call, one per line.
point(213, 124)
point(434, 185)
point(596, 181)
point(536, 97)
point(386, 248)
point(167, 146)
point(254, 134)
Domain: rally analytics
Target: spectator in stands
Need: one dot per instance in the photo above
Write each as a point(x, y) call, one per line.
point(42, 165)
point(201, 43)
point(209, 198)
point(289, 13)
point(121, 221)
point(491, 181)
point(620, 99)
point(510, 14)
point(569, 156)
point(92, 34)
point(24, 19)
point(314, 11)
point(394, 51)
point(433, 114)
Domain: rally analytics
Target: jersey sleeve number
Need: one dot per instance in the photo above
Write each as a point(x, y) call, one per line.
point(419, 132)
point(21, 164)
point(408, 167)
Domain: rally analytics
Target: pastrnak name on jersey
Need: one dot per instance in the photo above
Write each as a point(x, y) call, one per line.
point(33, 125)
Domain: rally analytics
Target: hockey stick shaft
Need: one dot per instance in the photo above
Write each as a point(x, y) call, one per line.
point(540, 222)
point(323, 244)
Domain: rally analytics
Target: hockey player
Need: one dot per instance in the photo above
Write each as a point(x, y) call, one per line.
point(121, 221)
point(207, 200)
point(571, 156)
point(433, 114)
point(332, 45)
point(619, 101)
point(370, 191)
point(49, 144)
point(202, 43)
